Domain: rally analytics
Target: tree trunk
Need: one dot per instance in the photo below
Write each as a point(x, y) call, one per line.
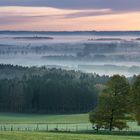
point(111, 120)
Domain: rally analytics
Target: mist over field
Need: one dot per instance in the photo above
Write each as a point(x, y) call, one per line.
point(102, 54)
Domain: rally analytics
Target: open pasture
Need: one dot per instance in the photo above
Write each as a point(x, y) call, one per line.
point(34, 122)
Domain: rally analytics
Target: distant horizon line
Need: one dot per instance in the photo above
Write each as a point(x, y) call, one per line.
point(70, 31)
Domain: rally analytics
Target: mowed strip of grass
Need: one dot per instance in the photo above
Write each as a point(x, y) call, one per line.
point(60, 136)
point(36, 118)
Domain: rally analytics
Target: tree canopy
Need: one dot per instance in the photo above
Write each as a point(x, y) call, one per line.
point(135, 94)
point(112, 106)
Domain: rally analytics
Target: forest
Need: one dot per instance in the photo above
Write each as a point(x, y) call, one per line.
point(44, 90)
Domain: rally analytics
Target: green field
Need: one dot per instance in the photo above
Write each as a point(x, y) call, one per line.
point(34, 118)
point(34, 122)
point(31, 122)
point(60, 136)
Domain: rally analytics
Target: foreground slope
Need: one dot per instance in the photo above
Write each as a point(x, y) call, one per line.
point(59, 136)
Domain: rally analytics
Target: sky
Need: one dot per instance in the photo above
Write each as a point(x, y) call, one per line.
point(70, 15)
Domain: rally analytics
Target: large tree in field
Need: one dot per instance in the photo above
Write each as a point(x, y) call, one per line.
point(112, 105)
point(136, 98)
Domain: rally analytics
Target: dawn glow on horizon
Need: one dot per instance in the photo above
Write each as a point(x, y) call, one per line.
point(64, 17)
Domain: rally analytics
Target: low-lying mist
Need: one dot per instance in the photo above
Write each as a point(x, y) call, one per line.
point(95, 54)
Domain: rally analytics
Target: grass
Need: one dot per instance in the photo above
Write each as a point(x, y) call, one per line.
point(60, 136)
point(35, 118)
point(45, 122)
point(133, 126)
point(29, 121)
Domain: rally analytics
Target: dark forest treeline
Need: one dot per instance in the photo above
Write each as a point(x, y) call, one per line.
point(43, 90)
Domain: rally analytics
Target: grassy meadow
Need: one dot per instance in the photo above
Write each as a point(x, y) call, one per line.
point(33, 122)
point(35, 118)
point(60, 136)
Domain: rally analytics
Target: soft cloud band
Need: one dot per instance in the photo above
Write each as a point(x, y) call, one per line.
point(126, 5)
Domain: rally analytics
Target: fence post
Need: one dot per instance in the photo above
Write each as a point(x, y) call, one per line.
point(66, 127)
point(4, 128)
point(37, 127)
point(87, 127)
point(57, 127)
point(47, 127)
point(11, 128)
point(76, 128)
